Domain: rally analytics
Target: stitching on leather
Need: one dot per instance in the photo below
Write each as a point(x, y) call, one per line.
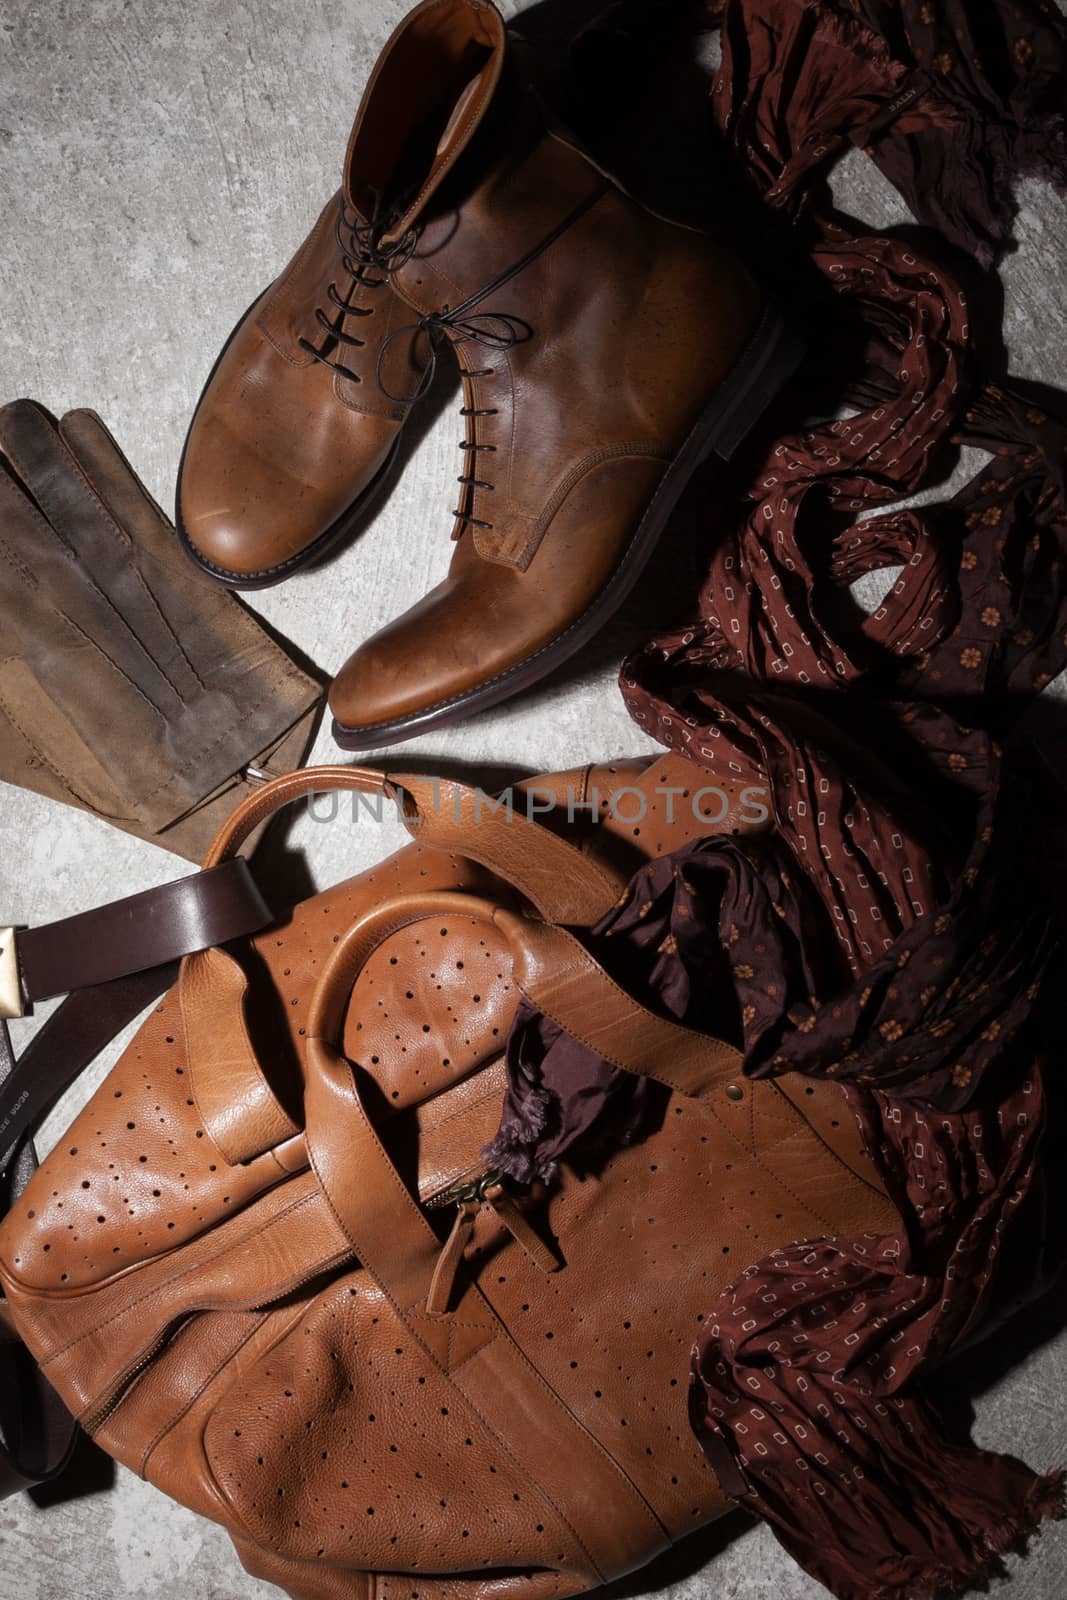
point(384, 413)
point(767, 1172)
point(175, 1277)
point(831, 1227)
point(96, 500)
point(526, 1473)
point(11, 555)
point(582, 469)
point(49, 766)
point(130, 683)
point(264, 305)
point(343, 1224)
point(83, 485)
point(684, 1035)
point(499, 677)
point(469, 1105)
point(457, 1366)
point(122, 535)
point(601, 1450)
point(474, 111)
point(394, 1176)
point(449, 1318)
point(142, 493)
point(575, 858)
point(257, 1301)
point(190, 963)
point(513, 454)
point(494, 1319)
point(408, 1323)
point(99, 508)
point(602, 599)
point(223, 1493)
point(268, 703)
point(174, 638)
point(423, 302)
point(828, 1147)
point(269, 1107)
point(598, 1050)
point(172, 1423)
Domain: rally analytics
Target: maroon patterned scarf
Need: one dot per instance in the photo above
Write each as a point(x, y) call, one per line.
point(893, 931)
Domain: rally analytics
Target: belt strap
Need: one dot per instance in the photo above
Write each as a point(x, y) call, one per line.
point(138, 933)
point(117, 960)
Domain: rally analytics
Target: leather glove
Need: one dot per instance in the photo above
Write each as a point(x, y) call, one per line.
point(130, 685)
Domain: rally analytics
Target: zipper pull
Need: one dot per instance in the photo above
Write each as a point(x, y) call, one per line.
point(472, 1189)
point(444, 1273)
point(467, 1197)
point(517, 1224)
point(488, 1188)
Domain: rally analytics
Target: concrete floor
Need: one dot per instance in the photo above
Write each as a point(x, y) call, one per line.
point(158, 164)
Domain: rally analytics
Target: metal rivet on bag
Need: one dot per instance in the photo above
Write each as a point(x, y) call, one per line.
point(734, 1091)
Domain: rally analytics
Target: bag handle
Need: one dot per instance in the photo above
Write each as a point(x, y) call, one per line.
point(379, 1214)
point(239, 1109)
point(563, 883)
point(557, 975)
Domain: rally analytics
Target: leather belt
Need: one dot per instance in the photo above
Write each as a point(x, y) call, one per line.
point(131, 935)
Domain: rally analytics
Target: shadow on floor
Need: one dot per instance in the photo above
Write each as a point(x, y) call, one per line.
point(90, 1472)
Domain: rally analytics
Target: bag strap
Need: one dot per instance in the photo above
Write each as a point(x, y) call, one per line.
point(394, 1242)
point(140, 932)
point(112, 962)
point(34, 1422)
point(560, 881)
point(560, 978)
point(556, 974)
point(117, 959)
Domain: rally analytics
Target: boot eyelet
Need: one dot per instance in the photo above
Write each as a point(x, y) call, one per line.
point(734, 1091)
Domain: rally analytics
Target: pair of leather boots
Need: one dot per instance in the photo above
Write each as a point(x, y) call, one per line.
point(604, 353)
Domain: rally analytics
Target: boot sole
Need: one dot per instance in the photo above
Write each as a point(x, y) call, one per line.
point(770, 358)
point(323, 546)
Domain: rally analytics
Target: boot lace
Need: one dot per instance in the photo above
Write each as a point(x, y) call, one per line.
point(495, 330)
point(361, 253)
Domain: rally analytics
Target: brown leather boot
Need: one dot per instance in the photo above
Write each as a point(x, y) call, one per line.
point(293, 438)
point(605, 353)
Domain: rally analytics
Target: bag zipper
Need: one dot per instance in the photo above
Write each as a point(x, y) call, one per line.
point(467, 1196)
point(470, 1189)
point(121, 1386)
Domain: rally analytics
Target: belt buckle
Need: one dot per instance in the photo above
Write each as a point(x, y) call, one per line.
point(11, 1001)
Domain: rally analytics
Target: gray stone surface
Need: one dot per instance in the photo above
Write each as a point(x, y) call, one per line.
point(158, 163)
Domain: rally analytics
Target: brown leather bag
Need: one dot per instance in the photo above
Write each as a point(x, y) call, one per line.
point(266, 1269)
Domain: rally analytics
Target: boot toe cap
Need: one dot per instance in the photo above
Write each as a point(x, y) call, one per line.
point(242, 512)
point(436, 653)
point(383, 683)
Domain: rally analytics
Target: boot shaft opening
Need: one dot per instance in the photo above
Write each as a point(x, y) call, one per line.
point(432, 82)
